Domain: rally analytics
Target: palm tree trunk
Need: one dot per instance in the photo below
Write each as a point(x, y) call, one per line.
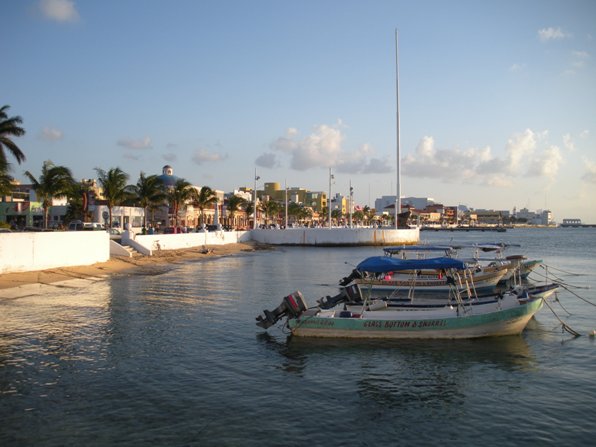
point(45, 217)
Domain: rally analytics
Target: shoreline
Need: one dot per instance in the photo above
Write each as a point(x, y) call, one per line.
point(159, 263)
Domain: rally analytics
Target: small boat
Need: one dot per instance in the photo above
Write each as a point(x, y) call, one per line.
point(422, 281)
point(457, 317)
point(518, 266)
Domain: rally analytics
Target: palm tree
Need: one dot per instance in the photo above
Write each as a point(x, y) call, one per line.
point(113, 183)
point(250, 209)
point(148, 193)
point(336, 215)
point(235, 204)
point(270, 208)
point(358, 216)
point(179, 196)
point(76, 209)
point(5, 179)
point(205, 199)
point(10, 127)
point(54, 181)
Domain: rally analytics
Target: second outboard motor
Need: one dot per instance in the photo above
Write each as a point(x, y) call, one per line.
point(292, 305)
point(328, 302)
point(351, 277)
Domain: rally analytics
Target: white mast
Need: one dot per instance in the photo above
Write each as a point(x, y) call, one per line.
point(398, 185)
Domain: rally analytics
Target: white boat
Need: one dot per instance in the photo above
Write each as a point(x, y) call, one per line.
point(517, 267)
point(421, 281)
point(457, 317)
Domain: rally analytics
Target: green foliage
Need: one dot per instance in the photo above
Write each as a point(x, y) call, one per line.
point(54, 181)
point(113, 184)
point(9, 128)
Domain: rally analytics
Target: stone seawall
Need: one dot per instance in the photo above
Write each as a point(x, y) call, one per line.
point(23, 252)
point(337, 236)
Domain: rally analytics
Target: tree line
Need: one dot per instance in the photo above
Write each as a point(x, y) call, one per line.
point(149, 192)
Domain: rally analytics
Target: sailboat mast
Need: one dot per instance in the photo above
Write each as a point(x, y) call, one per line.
point(398, 184)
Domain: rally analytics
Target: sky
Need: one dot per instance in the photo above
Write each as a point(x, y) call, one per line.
point(497, 99)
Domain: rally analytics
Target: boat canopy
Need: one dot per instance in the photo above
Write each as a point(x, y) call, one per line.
point(383, 264)
point(393, 250)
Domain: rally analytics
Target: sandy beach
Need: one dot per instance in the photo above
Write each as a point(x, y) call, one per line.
point(160, 262)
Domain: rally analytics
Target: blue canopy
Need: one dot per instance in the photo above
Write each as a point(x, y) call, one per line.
point(383, 264)
point(392, 250)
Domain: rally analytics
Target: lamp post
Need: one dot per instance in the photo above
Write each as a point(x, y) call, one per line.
point(254, 225)
point(329, 198)
point(351, 202)
point(286, 216)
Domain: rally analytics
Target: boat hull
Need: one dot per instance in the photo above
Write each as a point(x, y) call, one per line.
point(448, 323)
point(424, 286)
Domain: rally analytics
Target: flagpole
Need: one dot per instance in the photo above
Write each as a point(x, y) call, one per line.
point(398, 188)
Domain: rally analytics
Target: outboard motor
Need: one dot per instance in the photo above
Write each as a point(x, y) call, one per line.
point(349, 294)
point(328, 302)
point(351, 277)
point(292, 305)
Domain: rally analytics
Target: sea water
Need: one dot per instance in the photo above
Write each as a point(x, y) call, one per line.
point(176, 359)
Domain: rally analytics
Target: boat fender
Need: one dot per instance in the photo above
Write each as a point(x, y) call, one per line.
point(378, 305)
point(345, 314)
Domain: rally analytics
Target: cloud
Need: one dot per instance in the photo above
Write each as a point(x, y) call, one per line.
point(516, 68)
point(548, 34)
point(267, 160)
point(568, 142)
point(322, 148)
point(590, 174)
point(579, 58)
point(546, 164)
point(479, 165)
point(519, 149)
point(204, 156)
point(319, 149)
point(429, 162)
point(129, 143)
point(171, 157)
point(377, 166)
point(50, 134)
point(59, 10)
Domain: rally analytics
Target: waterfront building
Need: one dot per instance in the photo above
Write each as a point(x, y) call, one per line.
point(189, 215)
point(539, 217)
point(385, 203)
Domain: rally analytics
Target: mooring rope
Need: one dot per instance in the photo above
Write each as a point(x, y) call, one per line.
point(560, 303)
point(581, 298)
point(561, 270)
point(563, 324)
point(558, 280)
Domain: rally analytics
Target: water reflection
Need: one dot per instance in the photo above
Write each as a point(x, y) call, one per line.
point(398, 373)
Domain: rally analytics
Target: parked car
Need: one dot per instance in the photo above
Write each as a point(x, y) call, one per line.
point(77, 225)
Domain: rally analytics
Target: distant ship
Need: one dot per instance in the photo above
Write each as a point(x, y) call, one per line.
point(575, 223)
